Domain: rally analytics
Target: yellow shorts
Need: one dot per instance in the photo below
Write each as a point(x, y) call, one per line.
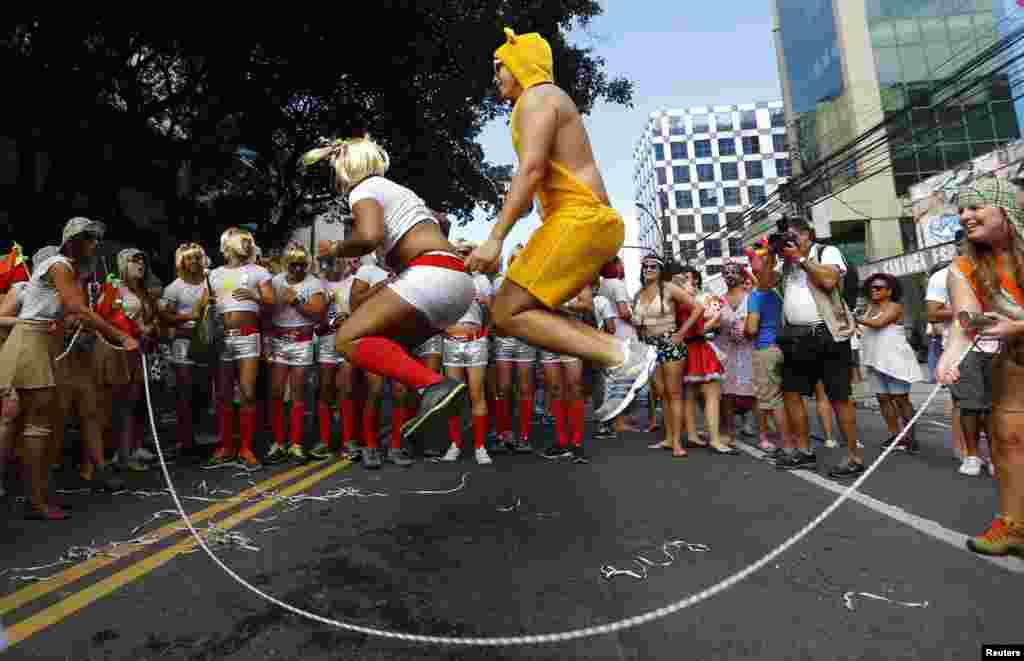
point(567, 251)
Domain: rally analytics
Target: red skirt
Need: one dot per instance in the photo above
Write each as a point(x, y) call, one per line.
point(702, 364)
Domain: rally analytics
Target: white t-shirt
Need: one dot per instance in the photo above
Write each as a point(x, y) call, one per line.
point(403, 209)
point(938, 291)
point(290, 316)
point(371, 274)
point(181, 298)
point(225, 280)
point(614, 291)
point(603, 311)
point(798, 305)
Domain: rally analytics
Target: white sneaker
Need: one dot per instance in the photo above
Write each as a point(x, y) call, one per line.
point(452, 454)
point(482, 457)
point(143, 454)
point(991, 468)
point(831, 443)
point(971, 466)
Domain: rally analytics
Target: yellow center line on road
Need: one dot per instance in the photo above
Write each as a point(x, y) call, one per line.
point(32, 592)
point(86, 596)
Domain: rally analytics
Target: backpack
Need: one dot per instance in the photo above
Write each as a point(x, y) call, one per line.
point(850, 283)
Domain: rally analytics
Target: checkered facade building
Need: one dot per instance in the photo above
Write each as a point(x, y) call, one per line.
point(696, 171)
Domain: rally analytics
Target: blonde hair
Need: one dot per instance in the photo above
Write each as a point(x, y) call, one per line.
point(185, 251)
point(295, 253)
point(238, 242)
point(353, 161)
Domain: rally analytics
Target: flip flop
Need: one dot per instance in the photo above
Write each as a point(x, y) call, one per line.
point(723, 449)
point(684, 455)
point(49, 514)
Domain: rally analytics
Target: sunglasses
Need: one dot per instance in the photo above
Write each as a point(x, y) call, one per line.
point(877, 287)
point(138, 259)
point(91, 236)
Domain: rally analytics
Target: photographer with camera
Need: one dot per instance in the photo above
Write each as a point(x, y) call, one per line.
point(815, 340)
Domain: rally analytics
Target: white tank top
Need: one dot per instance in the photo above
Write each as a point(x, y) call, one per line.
point(40, 300)
point(403, 210)
point(225, 280)
point(290, 316)
point(181, 297)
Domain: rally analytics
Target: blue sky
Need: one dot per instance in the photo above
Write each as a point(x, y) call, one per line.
point(678, 54)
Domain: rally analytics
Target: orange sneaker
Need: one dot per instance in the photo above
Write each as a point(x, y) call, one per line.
point(222, 456)
point(247, 458)
point(1004, 537)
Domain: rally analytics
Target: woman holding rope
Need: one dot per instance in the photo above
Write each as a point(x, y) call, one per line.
point(25, 360)
point(430, 293)
point(989, 278)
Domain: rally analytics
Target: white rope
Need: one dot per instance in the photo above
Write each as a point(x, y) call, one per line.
point(71, 344)
point(546, 638)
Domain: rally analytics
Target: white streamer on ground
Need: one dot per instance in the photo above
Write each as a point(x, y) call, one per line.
point(544, 638)
point(643, 562)
point(849, 603)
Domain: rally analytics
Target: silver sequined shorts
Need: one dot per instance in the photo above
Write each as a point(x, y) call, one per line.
point(432, 347)
point(239, 347)
point(327, 351)
point(513, 350)
point(286, 351)
point(550, 358)
point(465, 353)
point(179, 352)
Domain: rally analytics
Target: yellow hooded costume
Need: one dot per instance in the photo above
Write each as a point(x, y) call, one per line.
point(579, 234)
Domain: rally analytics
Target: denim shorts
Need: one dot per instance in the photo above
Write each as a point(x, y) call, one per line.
point(883, 384)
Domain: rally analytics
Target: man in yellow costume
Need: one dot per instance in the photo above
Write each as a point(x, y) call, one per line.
point(580, 231)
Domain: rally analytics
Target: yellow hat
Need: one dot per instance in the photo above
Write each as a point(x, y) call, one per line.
point(528, 57)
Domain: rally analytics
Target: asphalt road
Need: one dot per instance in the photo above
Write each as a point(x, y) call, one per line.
point(519, 549)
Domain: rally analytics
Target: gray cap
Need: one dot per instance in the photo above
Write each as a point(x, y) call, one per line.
point(43, 254)
point(80, 225)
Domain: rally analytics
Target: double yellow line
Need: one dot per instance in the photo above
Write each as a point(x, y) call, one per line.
point(91, 593)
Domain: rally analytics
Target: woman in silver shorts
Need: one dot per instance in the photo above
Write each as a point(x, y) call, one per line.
point(515, 363)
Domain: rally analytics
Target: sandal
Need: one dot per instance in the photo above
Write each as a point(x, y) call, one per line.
point(659, 446)
point(680, 455)
point(723, 449)
point(48, 514)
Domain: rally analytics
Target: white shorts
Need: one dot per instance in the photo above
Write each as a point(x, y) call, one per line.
point(513, 350)
point(286, 351)
point(465, 353)
point(240, 347)
point(179, 352)
point(550, 358)
point(432, 347)
point(327, 351)
point(441, 294)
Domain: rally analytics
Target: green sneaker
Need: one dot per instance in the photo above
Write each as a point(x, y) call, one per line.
point(219, 458)
point(297, 453)
point(321, 452)
point(1004, 537)
point(276, 455)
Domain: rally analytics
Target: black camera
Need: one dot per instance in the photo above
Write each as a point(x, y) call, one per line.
point(781, 238)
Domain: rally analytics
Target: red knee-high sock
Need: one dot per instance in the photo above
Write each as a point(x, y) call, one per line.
point(455, 430)
point(227, 427)
point(348, 420)
point(398, 417)
point(247, 420)
point(370, 427)
point(387, 358)
point(185, 433)
point(480, 423)
point(277, 420)
point(525, 417)
point(298, 421)
point(576, 414)
point(561, 420)
point(323, 413)
point(502, 418)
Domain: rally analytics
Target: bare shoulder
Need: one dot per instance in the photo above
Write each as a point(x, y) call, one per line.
point(548, 97)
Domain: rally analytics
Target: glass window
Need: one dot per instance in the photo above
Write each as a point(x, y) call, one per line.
point(779, 143)
point(933, 30)
point(666, 226)
point(783, 168)
point(663, 202)
point(713, 269)
point(887, 64)
point(684, 199)
point(700, 124)
point(678, 151)
point(702, 148)
point(748, 119)
point(883, 34)
point(914, 65)
point(929, 159)
point(751, 145)
point(731, 196)
point(688, 245)
point(706, 172)
point(755, 169)
point(659, 152)
point(734, 221)
point(676, 125)
point(709, 222)
point(730, 172)
point(906, 31)
point(979, 122)
point(736, 247)
point(660, 175)
point(680, 174)
point(956, 154)
point(757, 195)
point(724, 122)
point(687, 225)
point(960, 28)
point(712, 248)
point(708, 197)
point(1005, 120)
point(726, 147)
point(778, 116)
point(937, 56)
point(952, 123)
